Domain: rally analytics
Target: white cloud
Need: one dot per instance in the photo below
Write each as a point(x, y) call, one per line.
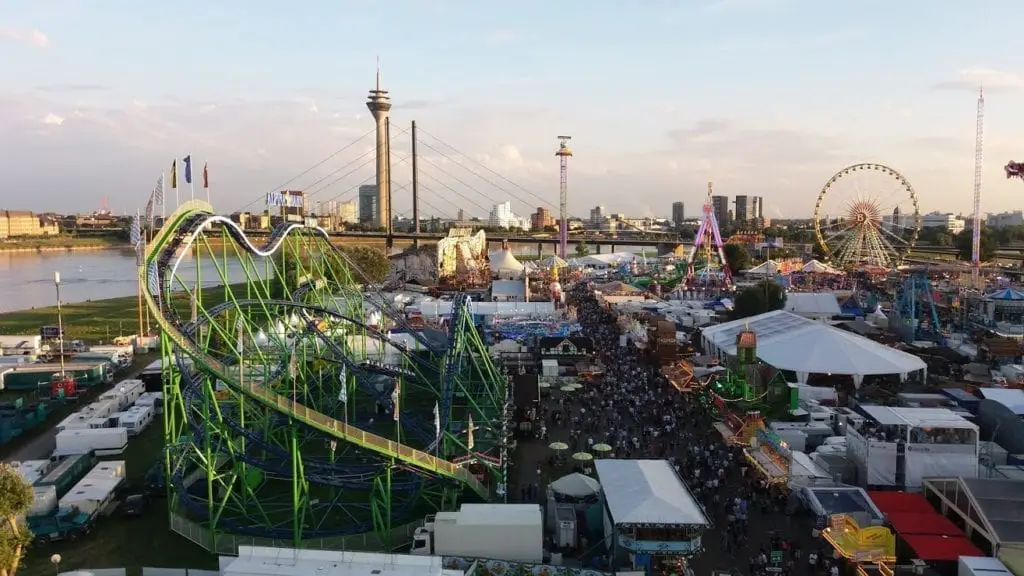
point(30, 36)
point(992, 80)
point(53, 120)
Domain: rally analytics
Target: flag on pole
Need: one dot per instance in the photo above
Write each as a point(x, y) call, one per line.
point(394, 400)
point(149, 211)
point(437, 423)
point(241, 335)
point(158, 191)
point(187, 161)
point(174, 174)
point(343, 393)
point(135, 238)
point(195, 307)
point(206, 175)
point(293, 367)
point(470, 443)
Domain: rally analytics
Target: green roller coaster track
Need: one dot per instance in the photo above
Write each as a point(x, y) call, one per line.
point(288, 416)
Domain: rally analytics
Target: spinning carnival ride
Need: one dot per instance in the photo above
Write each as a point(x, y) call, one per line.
point(867, 214)
point(291, 412)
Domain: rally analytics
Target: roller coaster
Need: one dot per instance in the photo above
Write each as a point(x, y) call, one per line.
point(299, 405)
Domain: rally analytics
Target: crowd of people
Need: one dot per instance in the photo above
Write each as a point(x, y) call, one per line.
point(635, 410)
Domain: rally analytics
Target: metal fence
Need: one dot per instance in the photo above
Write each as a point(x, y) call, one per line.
point(227, 544)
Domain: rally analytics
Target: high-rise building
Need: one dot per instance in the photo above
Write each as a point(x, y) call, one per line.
point(379, 104)
point(749, 210)
point(720, 207)
point(347, 212)
point(597, 215)
point(501, 216)
point(541, 219)
point(678, 213)
point(368, 205)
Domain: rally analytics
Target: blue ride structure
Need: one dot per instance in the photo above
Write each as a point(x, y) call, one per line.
point(298, 411)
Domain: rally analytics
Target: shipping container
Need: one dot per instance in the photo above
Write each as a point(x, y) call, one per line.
point(67, 473)
point(101, 441)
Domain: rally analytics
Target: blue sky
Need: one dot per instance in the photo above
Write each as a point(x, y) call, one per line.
point(766, 97)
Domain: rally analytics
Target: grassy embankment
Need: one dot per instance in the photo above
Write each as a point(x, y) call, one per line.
point(62, 243)
point(94, 321)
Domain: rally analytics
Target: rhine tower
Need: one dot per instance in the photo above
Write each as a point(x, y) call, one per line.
point(379, 104)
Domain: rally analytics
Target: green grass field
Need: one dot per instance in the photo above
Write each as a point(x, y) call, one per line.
point(94, 321)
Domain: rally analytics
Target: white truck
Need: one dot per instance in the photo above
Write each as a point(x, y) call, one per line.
point(509, 532)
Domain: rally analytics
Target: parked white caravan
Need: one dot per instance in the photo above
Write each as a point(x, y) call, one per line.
point(101, 441)
point(136, 419)
point(125, 393)
point(97, 489)
point(33, 470)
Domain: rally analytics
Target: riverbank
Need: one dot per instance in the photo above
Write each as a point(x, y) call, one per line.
point(61, 244)
point(94, 321)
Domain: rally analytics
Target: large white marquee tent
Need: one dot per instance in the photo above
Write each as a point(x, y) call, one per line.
point(791, 342)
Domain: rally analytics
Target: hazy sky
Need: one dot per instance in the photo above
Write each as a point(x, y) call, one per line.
point(764, 97)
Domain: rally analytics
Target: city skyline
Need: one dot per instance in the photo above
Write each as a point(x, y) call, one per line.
point(764, 97)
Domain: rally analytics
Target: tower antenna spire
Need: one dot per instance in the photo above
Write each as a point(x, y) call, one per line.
point(378, 72)
point(979, 156)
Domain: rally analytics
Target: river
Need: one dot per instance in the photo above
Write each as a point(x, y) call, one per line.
point(26, 278)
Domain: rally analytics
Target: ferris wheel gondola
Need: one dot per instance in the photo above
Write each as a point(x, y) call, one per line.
point(867, 214)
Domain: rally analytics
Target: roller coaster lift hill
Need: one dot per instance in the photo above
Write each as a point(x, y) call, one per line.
point(291, 412)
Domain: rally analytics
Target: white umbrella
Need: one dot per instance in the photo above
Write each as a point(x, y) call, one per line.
point(567, 388)
point(558, 446)
point(583, 456)
point(601, 448)
point(545, 384)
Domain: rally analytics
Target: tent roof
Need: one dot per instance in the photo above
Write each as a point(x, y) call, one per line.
point(617, 287)
point(576, 485)
point(647, 492)
point(941, 548)
point(900, 502)
point(1007, 294)
point(766, 267)
point(1013, 399)
point(818, 267)
point(918, 418)
point(504, 260)
point(553, 261)
point(791, 342)
point(817, 303)
point(908, 523)
point(1001, 503)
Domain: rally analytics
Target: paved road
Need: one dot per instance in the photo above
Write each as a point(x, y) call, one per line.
point(45, 440)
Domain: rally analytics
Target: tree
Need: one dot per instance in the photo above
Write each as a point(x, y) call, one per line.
point(582, 249)
point(374, 263)
point(762, 297)
point(15, 498)
point(737, 257)
point(965, 245)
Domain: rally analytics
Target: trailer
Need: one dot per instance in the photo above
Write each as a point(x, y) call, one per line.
point(509, 532)
point(81, 419)
point(67, 473)
point(101, 441)
point(44, 500)
point(124, 394)
point(152, 399)
point(96, 490)
point(20, 345)
point(124, 355)
point(32, 470)
point(30, 376)
point(136, 419)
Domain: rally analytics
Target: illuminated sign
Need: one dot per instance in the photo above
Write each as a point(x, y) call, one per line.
point(662, 548)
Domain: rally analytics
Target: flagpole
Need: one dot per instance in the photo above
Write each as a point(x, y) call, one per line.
point(163, 201)
point(138, 263)
point(206, 182)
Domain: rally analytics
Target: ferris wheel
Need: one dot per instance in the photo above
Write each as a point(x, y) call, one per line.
point(867, 214)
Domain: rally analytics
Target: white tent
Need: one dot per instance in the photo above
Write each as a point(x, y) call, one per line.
point(647, 492)
point(503, 263)
point(766, 268)
point(791, 342)
point(816, 267)
point(552, 262)
point(576, 486)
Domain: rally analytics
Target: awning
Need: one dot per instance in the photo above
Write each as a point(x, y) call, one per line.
point(931, 548)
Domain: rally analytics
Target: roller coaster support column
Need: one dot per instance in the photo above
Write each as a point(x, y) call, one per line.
point(299, 488)
point(381, 506)
point(173, 416)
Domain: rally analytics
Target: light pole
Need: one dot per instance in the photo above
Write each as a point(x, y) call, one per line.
point(55, 560)
point(60, 329)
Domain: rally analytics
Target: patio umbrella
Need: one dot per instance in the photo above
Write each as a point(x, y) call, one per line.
point(601, 448)
point(558, 446)
point(567, 388)
point(545, 384)
point(583, 456)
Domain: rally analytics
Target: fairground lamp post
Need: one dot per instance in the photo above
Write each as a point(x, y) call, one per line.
point(60, 322)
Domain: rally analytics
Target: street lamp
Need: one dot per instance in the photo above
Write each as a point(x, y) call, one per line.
point(60, 325)
point(55, 560)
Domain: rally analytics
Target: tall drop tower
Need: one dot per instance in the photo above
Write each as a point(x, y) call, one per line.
point(979, 156)
point(379, 104)
point(564, 153)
